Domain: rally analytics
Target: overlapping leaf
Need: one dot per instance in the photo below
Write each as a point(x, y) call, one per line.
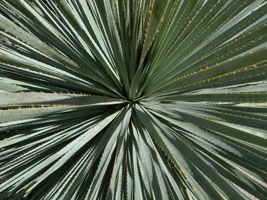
point(142, 99)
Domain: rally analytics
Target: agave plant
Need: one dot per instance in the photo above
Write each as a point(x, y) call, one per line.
point(133, 99)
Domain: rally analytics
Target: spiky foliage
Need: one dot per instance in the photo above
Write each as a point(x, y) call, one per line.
point(140, 99)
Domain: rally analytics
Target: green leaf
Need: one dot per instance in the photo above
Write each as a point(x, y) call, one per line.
point(140, 99)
